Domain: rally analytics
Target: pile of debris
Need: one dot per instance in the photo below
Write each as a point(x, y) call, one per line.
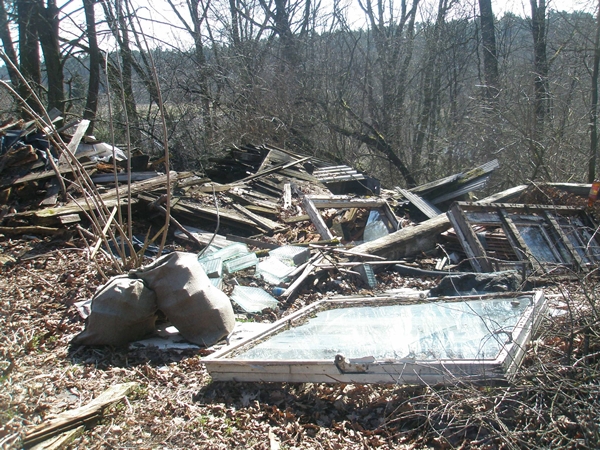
point(265, 224)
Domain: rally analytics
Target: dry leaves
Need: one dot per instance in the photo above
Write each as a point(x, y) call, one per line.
point(553, 402)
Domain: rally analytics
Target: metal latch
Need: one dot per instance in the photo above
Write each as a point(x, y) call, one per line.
point(357, 365)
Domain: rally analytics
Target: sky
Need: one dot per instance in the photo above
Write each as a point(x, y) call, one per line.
point(160, 10)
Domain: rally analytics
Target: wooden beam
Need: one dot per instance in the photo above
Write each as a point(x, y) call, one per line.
point(263, 222)
point(407, 241)
point(469, 240)
point(293, 288)
point(411, 241)
point(423, 205)
point(316, 218)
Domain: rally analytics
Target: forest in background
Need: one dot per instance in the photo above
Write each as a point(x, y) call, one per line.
point(424, 90)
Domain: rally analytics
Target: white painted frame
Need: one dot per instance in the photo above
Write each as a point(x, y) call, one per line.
point(368, 370)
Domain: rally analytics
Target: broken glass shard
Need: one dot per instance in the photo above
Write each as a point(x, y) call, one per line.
point(253, 299)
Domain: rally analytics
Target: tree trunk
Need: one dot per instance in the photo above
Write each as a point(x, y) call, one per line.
point(48, 31)
point(9, 48)
point(91, 104)
point(594, 105)
point(490, 59)
point(427, 117)
point(540, 62)
point(124, 77)
point(29, 53)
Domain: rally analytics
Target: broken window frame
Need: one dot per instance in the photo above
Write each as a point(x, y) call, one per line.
point(313, 203)
point(553, 230)
point(222, 367)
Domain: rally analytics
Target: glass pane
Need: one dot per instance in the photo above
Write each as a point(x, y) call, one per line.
point(475, 329)
point(537, 243)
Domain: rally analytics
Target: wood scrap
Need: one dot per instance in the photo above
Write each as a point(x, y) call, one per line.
point(263, 222)
point(19, 156)
point(293, 288)
point(61, 441)
point(84, 415)
point(30, 230)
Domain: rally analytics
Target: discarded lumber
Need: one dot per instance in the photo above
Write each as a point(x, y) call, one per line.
point(61, 441)
point(424, 206)
point(262, 222)
point(422, 237)
point(35, 176)
point(407, 241)
point(33, 230)
point(85, 415)
point(310, 266)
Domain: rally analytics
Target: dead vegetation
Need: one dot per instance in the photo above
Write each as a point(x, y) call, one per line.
point(552, 402)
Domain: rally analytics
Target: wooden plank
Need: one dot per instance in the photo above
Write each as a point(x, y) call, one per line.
point(70, 208)
point(316, 218)
point(345, 201)
point(407, 241)
point(186, 206)
point(423, 205)
point(436, 183)
point(69, 219)
point(61, 441)
point(265, 163)
point(52, 192)
point(35, 176)
point(252, 242)
point(293, 288)
point(246, 198)
point(206, 237)
point(82, 415)
point(263, 222)
point(123, 177)
point(518, 208)
point(296, 219)
point(351, 252)
point(287, 196)
point(470, 177)
point(145, 186)
point(261, 210)
point(469, 240)
point(270, 170)
point(31, 230)
point(503, 196)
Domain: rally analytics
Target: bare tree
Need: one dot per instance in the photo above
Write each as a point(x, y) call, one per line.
point(29, 51)
point(91, 105)
point(122, 71)
point(540, 103)
point(48, 26)
point(372, 117)
point(490, 58)
point(9, 54)
point(594, 103)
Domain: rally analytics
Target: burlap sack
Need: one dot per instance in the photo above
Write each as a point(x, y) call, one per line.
point(201, 312)
point(122, 311)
